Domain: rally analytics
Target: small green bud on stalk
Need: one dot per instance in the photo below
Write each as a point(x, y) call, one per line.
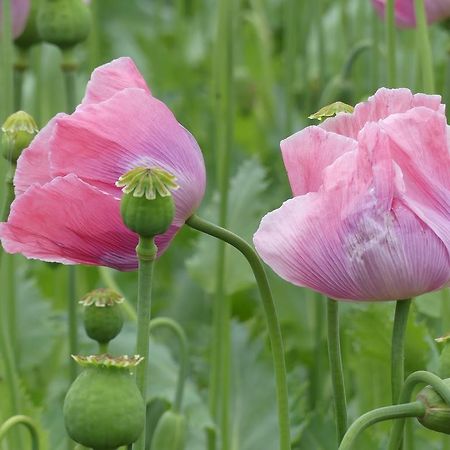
point(103, 317)
point(437, 412)
point(64, 23)
point(147, 206)
point(103, 408)
point(18, 130)
point(170, 433)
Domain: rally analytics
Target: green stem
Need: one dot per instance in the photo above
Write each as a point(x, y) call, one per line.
point(221, 345)
point(414, 409)
point(337, 373)
point(7, 71)
point(317, 370)
point(103, 347)
point(28, 423)
point(419, 377)
point(270, 313)
point(424, 47)
point(108, 279)
point(398, 348)
point(390, 43)
point(184, 359)
point(146, 253)
point(290, 41)
point(321, 41)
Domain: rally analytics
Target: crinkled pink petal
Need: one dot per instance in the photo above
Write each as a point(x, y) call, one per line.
point(111, 78)
point(19, 15)
point(405, 11)
point(102, 141)
point(307, 153)
point(33, 165)
point(71, 222)
point(355, 239)
point(381, 105)
point(418, 143)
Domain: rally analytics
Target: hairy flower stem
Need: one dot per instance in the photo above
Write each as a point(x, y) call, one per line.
point(28, 423)
point(414, 409)
point(424, 47)
point(337, 373)
point(165, 322)
point(398, 348)
point(219, 400)
point(273, 325)
point(391, 45)
point(146, 253)
point(420, 377)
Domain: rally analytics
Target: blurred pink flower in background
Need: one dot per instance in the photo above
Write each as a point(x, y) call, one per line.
point(370, 219)
point(405, 15)
point(19, 15)
point(67, 205)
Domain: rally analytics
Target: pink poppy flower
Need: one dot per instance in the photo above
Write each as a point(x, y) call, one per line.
point(370, 219)
point(19, 15)
point(67, 205)
point(405, 16)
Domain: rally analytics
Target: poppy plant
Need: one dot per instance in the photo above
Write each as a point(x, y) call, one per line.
point(67, 206)
point(370, 217)
point(405, 16)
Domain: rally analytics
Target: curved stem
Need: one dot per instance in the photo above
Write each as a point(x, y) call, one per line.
point(414, 409)
point(146, 253)
point(28, 423)
point(398, 348)
point(270, 313)
point(184, 359)
point(337, 373)
point(411, 382)
point(424, 47)
point(390, 41)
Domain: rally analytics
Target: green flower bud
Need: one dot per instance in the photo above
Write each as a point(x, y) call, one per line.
point(19, 130)
point(437, 413)
point(147, 206)
point(103, 408)
point(30, 36)
point(64, 23)
point(170, 433)
point(103, 318)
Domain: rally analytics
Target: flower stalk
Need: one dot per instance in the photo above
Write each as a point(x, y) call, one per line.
point(274, 330)
point(28, 423)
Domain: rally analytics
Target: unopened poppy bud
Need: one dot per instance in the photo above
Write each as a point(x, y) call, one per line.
point(103, 318)
point(170, 432)
point(147, 206)
point(331, 110)
point(18, 130)
point(103, 408)
point(437, 412)
point(64, 23)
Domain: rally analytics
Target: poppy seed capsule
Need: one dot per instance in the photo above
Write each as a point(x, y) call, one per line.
point(170, 432)
point(437, 412)
point(64, 23)
point(147, 206)
point(103, 408)
point(103, 318)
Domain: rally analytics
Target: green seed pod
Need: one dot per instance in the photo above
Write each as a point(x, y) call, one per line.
point(437, 413)
point(103, 408)
point(170, 433)
point(30, 36)
point(19, 130)
point(64, 23)
point(147, 206)
point(103, 318)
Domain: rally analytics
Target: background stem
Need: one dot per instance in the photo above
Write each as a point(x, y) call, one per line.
point(337, 373)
